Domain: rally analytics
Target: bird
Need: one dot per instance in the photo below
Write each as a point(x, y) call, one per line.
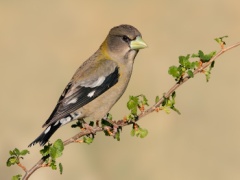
point(98, 83)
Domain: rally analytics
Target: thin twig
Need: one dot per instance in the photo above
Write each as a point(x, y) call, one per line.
point(22, 166)
point(122, 123)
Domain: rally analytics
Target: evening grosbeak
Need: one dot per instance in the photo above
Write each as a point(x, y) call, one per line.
point(98, 83)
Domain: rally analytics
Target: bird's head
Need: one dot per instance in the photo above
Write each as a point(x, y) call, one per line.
point(123, 43)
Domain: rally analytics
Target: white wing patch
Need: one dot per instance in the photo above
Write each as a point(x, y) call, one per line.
point(96, 83)
point(65, 120)
point(72, 101)
point(47, 130)
point(91, 94)
point(56, 123)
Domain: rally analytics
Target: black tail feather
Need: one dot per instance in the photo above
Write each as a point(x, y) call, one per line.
point(46, 134)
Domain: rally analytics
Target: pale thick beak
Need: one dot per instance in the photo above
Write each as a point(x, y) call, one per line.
point(138, 43)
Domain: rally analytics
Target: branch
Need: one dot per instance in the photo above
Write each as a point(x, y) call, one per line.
point(21, 166)
point(185, 79)
point(122, 123)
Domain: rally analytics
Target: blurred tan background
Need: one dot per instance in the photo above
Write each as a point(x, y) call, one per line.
point(43, 43)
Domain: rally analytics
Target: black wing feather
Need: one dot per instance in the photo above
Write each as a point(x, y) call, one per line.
point(62, 110)
point(59, 102)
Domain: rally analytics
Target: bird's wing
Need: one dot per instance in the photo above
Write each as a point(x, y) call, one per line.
point(85, 86)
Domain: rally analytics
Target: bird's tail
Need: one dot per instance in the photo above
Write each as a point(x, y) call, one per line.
point(46, 134)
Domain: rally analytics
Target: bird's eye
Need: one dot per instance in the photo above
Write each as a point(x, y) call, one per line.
point(126, 39)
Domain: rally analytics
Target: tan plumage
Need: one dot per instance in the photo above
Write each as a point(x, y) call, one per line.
point(98, 83)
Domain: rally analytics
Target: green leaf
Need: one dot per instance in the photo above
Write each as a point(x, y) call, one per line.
point(87, 140)
point(17, 177)
point(220, 40)
point(204, 57)
point(184, 60)
point(58, 144)
point(24, 152)
point(207, 57)
point(166, 109)
point(194, 65)
point(106, 123)
point(109, 116)
point(181, 59)
point(190, 73)
point(173, 95)
point(11, 161)
point(16, 151)
point(131, 117)
point(143, 133)
point(139, 132)
point(15, 156)
point(169, 103)
point(74, 126)
point(176, 110)
point(53, 153)
point(212, 65)
point(174, 71)
point(11, 153)
point(132, 104)
point(157, 99)
point(144, 101)
point(132, 132)
point(60, 168)
point(195, 56)
point(165, 100)
point(201, 54)
point(91, 123)
point(57, 149)
point(117, 136)
point(207, 74)
point(45, 151)
point(53, 165)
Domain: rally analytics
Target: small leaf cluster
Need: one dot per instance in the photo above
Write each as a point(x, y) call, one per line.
point(204, 57)
point(169, 103)
point(134, 103)
point(88, 139)
point(220, 40)
point(138, 131)
point(17, 177)
point(51, 152)
point(15, 156)
point(185, 66)
point(208, 72)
